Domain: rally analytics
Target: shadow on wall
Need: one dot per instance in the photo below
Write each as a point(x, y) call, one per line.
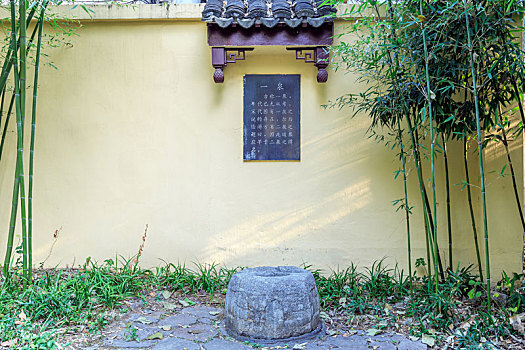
point(335, 199)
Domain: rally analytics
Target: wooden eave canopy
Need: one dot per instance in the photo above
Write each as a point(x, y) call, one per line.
point(236, 26)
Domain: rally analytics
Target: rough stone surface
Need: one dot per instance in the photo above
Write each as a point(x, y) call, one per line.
point(190, 329)
point(176, 343)
point(198, 333)
point(272, 303)
point(222, 344)
point(121, 343)
point(179, 320)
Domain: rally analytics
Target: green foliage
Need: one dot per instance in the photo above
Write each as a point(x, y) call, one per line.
point(360, 291)
point(20, 53)
point(71, 297)
point(445, 70)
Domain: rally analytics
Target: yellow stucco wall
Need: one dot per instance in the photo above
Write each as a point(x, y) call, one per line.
point(133, 131)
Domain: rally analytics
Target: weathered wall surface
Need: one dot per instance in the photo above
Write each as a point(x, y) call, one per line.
point(132, 131)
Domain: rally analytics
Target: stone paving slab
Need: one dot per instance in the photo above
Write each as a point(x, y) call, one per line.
point(179, 320)
point(223, 344)
point(176, 343)
point(197, 328)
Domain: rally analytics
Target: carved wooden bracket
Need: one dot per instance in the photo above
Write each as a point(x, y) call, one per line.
point(221, 56)
point(319, 56)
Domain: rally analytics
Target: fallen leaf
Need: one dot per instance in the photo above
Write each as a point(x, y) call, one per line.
point(299, 346)
point(152, 294)
point(516, 322)
point(143, 320)
point(186, 302)
point(428, 340)
point(411, 337)
point(194, 331)
point(373, 331)
point(349, 333)
point(214, 313)
point(331, 332)
point(7, 344)
point(169, 306)
point(165, 327)
point(323, 315)
point(22, 316)
point(157, 335)
point(166, 294)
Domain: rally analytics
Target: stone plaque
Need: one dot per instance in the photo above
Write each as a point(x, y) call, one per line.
point(272, 117)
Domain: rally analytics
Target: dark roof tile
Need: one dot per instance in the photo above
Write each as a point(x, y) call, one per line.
point(267, 12)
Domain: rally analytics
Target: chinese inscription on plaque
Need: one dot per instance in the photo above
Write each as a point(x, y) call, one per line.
point(272, 117)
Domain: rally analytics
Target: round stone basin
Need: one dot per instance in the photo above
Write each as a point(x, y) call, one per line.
point(272, 304)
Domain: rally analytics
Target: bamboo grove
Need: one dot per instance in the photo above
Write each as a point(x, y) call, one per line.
point(23, 54)
point(439, 72)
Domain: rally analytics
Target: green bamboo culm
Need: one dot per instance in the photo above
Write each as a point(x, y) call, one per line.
point(413, 136)
point(447, 187)
point(21, 106)
point(401, 146)
point(428, 109)
point(23, 76)
point(2, 105)
point(32, 146)
point(407, 209)
point(471, 207)
point(6, 124)
point(16, 188)
point(9, 59)
point(480, 152)
point(513, 177)
point(11, 103)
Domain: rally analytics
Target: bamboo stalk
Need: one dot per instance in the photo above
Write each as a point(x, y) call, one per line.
point(471, 208)
point(6, 124)
point(432, 144)
point(2, 105)
point(480, 151)
point(16, 187)
point(20, 129)
point(513, 176)
point(415, 150)
point(32, 146)
point(407, 209)
point(427, 211)
point(520, 105)
point(447, 186)
point(422, 191)
point(8, 61)
point(431, 221)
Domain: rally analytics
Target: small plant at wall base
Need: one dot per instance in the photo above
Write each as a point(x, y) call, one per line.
point(440, 72)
